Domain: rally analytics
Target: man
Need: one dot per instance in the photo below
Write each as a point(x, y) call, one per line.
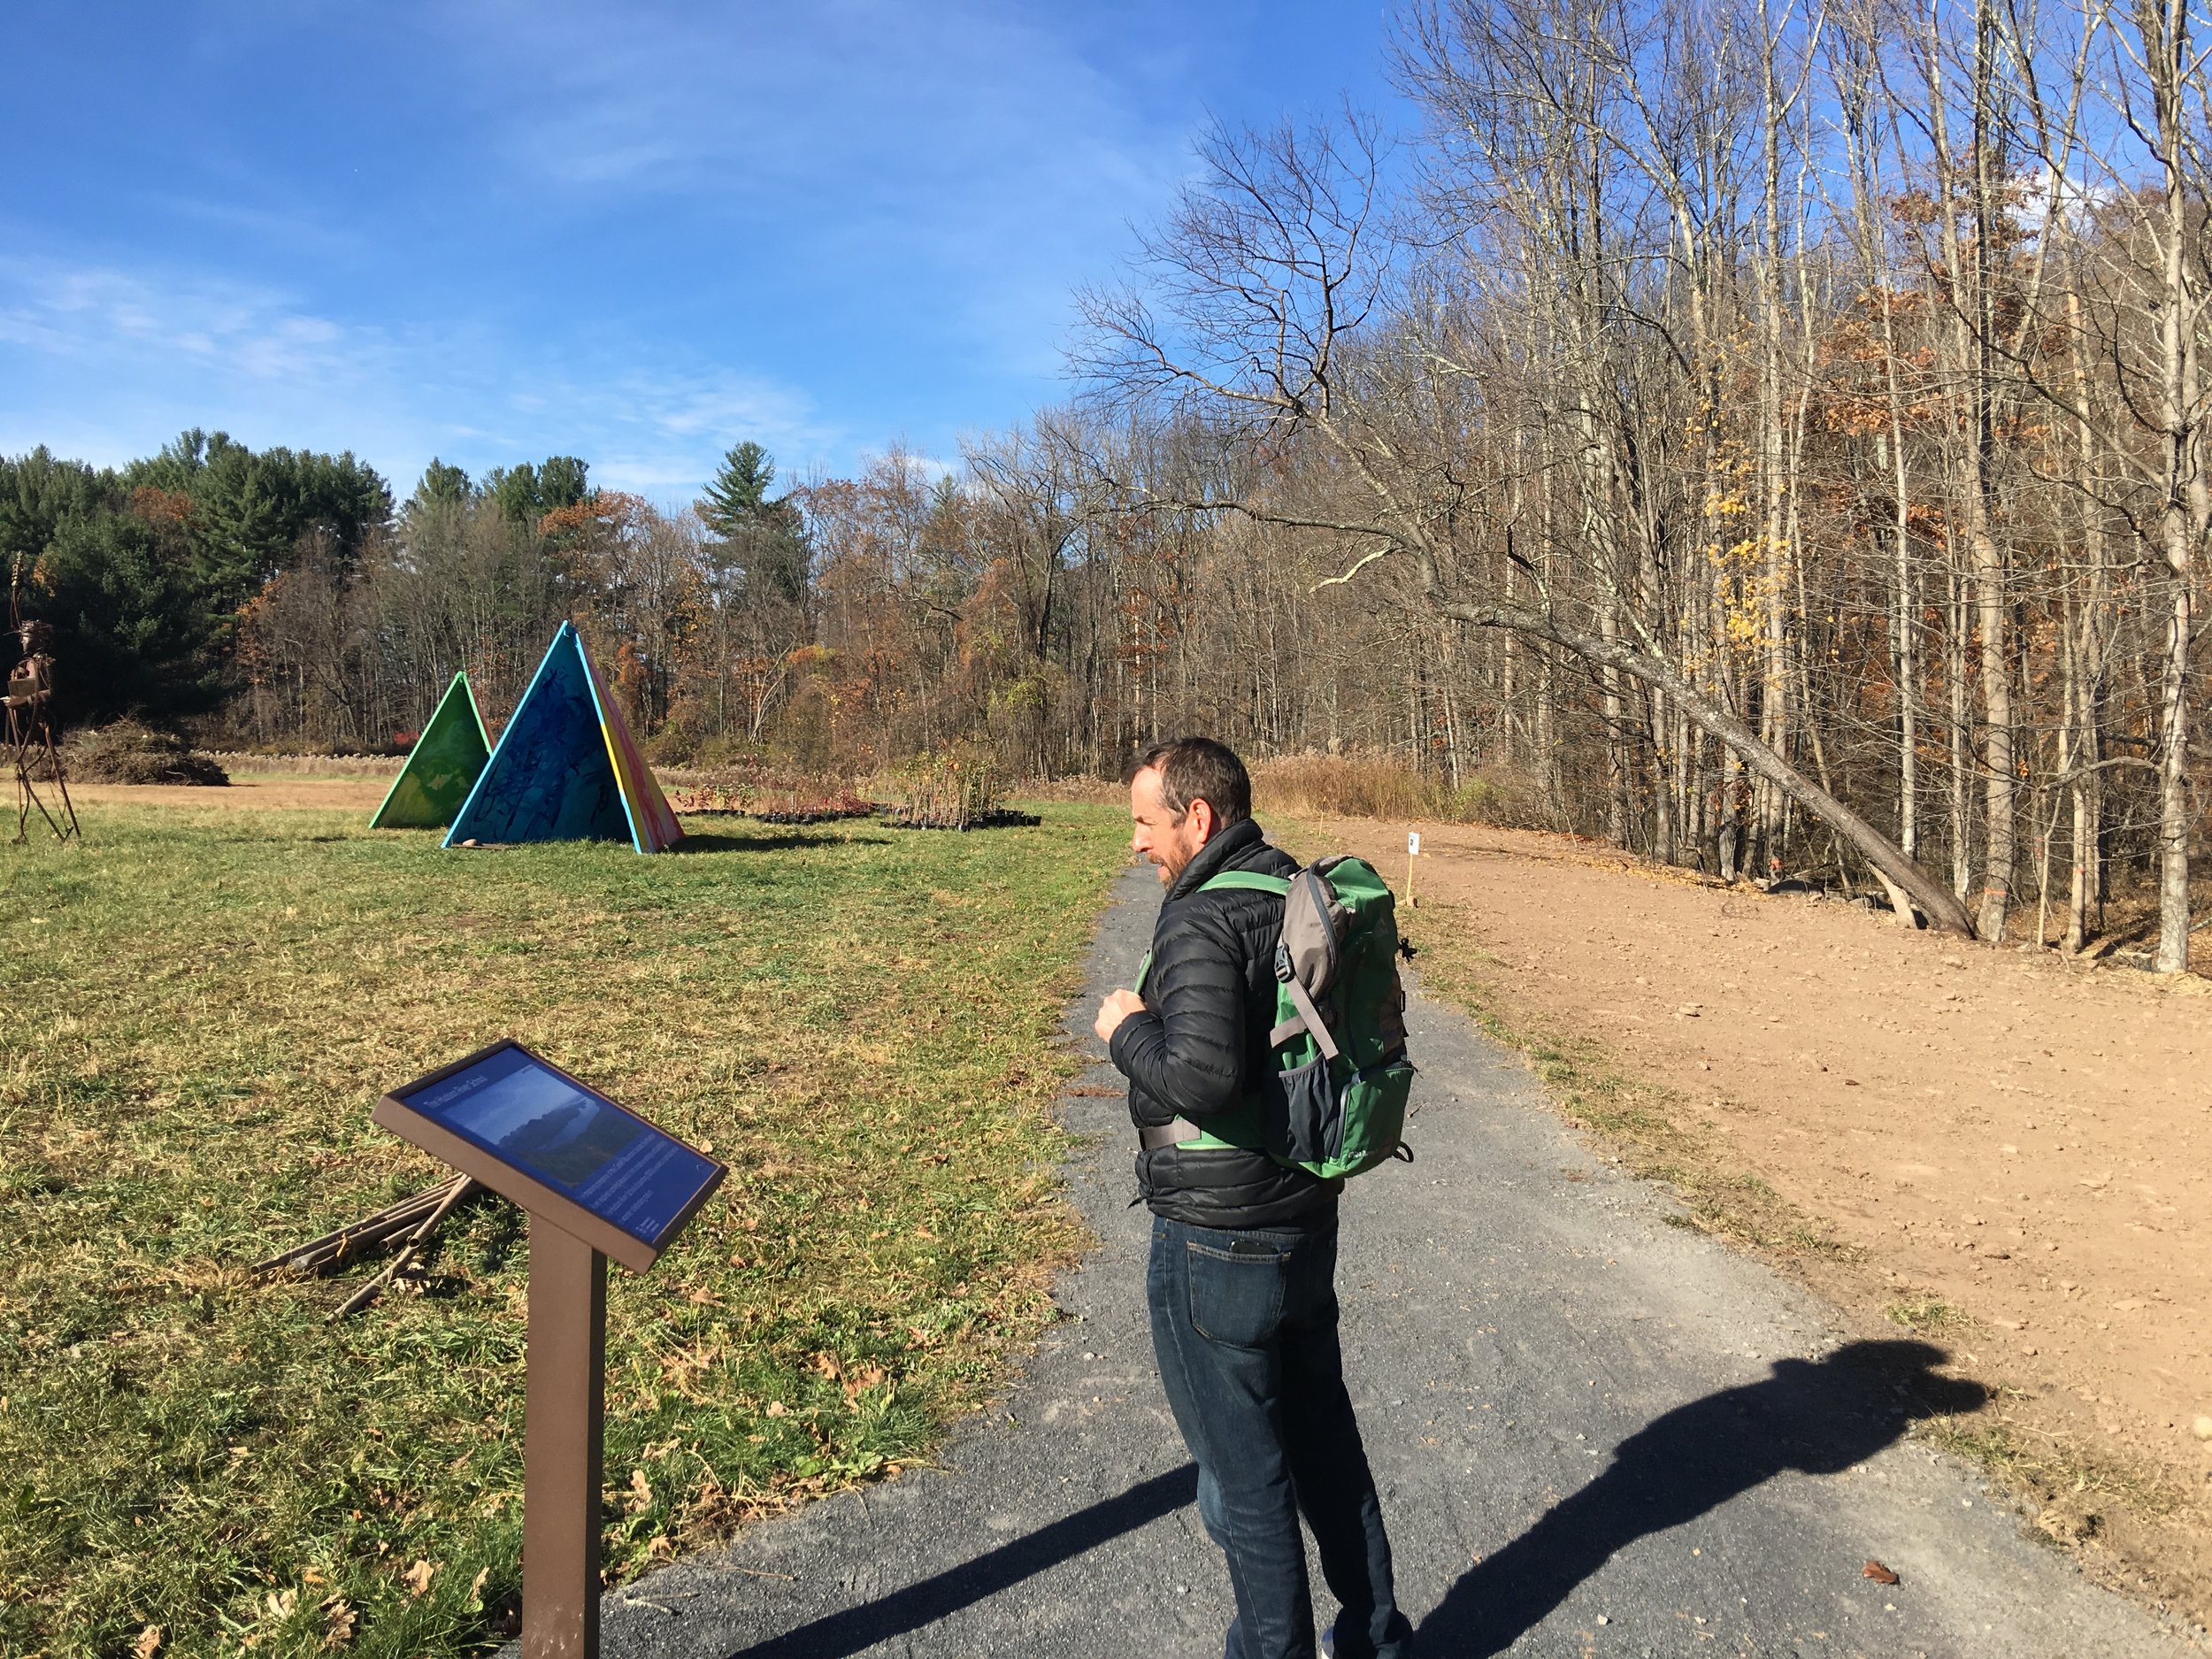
point(1241, 1285)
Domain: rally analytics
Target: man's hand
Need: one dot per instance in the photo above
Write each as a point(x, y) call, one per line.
point(1116, 1006)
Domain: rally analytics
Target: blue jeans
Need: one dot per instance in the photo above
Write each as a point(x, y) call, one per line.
point(1244, 1323)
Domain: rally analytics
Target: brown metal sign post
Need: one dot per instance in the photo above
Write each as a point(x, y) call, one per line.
point(597, 1180)
point(563, 1404)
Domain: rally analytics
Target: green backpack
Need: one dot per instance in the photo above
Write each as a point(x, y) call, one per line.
point(1336, 1102)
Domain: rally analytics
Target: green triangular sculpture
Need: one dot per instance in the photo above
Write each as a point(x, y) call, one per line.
point(442, 768)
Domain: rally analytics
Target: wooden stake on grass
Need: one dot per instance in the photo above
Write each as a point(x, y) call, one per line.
point(334, 1248)
point(455, 1190)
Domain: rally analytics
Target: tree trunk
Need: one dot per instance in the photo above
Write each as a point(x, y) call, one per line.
point(1943, 910)
point(2164, 25)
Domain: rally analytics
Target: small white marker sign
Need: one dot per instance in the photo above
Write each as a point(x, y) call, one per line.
point(1413, 843)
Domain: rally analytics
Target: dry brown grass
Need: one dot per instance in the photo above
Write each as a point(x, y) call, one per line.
point(1365, 786)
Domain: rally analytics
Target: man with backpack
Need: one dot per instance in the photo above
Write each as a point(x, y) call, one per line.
point(1264, 1049)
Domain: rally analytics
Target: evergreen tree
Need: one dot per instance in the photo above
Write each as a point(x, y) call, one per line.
point(761, 542)
point(738, 496)
point(526, 493)
point(439, 486)
point(562, 482)
point(250, 511)
point(134, 631)
point(38, 494)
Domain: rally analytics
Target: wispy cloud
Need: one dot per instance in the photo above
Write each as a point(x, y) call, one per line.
point(969, 153)
point(497, 229)
point(654, 433)
point(210, 351)
point(221, 325)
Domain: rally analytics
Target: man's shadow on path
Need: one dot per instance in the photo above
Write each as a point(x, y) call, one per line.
point(1817, 1416)
point(835, 1635)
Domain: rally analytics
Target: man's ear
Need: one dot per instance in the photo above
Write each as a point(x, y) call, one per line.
point(1202, 810)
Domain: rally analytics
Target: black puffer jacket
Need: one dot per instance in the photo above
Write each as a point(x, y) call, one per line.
point(1210, 1001)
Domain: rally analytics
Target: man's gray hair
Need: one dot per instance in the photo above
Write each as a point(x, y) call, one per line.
point(1198, 769)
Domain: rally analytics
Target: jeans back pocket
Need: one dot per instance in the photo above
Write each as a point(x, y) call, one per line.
point(1237, 1294)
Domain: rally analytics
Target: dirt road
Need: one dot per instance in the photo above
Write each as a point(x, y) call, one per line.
point(2008, 1151)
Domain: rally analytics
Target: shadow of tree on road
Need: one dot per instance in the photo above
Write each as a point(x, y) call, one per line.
point(1815, 1416)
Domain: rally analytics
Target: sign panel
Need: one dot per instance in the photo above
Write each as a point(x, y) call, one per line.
point(557, 1147)
point(1413, 843)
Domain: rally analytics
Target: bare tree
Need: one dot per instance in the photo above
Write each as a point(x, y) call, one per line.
point(1265, 282)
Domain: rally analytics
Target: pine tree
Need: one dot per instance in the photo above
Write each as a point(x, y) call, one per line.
point(441, 486)
point(737, 500)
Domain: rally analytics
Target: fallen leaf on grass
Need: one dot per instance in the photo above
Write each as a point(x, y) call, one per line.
point(641, 1498)
point(280, 1603)
point(416, 1577)
point(341, 1620)
point(149, 1642)
point(476, 1586)
point(1880, 1574)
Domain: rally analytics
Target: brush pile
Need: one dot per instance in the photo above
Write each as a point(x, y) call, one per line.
point(130, 752)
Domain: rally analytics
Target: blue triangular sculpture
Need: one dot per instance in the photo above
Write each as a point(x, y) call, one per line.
point(550, 778)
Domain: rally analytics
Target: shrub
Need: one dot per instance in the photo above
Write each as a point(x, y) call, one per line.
point(948, 790)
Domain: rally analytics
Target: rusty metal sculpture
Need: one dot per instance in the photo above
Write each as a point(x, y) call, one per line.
point(30, 736)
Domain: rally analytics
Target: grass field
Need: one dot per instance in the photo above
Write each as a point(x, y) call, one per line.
point(201, 1008)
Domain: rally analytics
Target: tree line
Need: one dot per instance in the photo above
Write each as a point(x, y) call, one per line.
point(1795, 413)
point(1769, 437)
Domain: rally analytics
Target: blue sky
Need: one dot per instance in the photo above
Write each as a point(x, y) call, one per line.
point(493, 231)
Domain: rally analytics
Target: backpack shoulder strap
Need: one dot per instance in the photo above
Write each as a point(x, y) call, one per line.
point(1308, 1018)
point(1250, 881)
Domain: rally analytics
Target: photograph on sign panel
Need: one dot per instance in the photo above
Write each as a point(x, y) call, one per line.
point(544, 1123)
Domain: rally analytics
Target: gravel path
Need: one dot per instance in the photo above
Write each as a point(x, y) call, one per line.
point(1596, 1433)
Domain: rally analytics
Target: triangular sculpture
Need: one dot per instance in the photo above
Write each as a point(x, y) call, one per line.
point(567, 768)
point(442, 768)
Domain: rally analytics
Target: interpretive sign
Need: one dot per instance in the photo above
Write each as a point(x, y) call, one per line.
point(597, 1180)
point(559, 1148)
